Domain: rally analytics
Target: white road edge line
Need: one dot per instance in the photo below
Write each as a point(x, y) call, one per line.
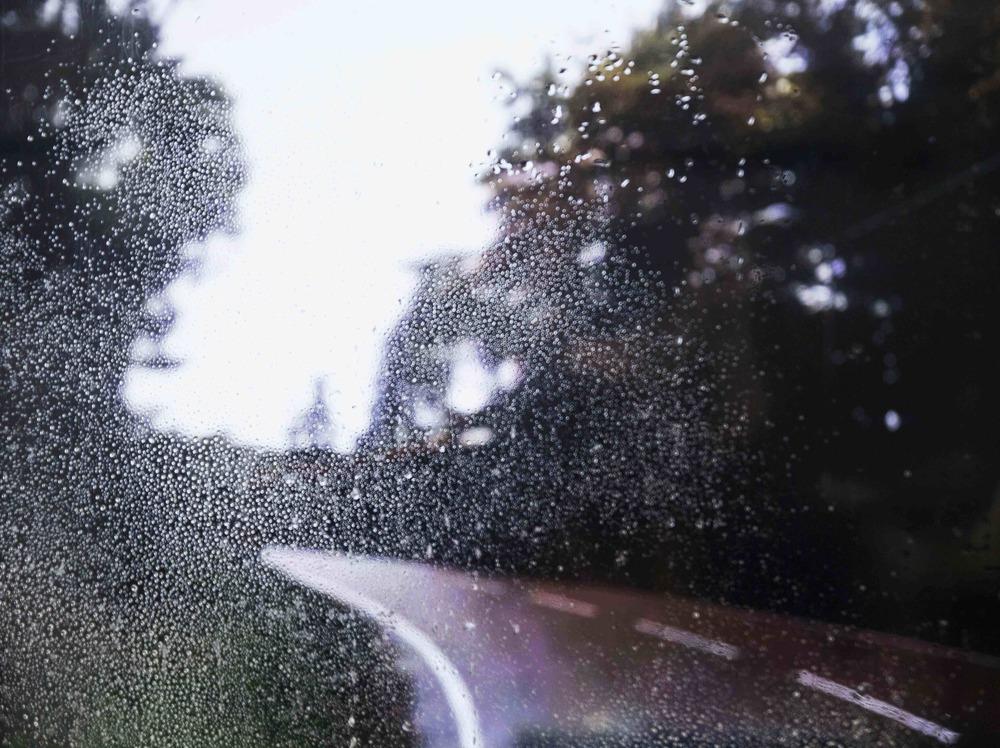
point(300, 566)
point(563, 604)
point(877, 706)
point(687, 638)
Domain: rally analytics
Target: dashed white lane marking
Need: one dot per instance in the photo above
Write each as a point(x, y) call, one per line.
point(305, 568)
point(687, 639)
point(564, 604)
point(877, 706)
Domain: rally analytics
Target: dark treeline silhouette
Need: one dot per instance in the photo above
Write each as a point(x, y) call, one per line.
point(743, 272)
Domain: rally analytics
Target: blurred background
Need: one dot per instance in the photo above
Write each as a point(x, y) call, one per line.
point(691, 298)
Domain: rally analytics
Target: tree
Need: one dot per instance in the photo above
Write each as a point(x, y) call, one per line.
point(802, 194)
point(314, 428)
point(131, 605)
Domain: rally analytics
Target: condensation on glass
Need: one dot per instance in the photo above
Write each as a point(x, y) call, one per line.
point(695, 445)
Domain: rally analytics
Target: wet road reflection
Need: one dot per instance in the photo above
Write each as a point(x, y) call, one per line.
point(498, 661)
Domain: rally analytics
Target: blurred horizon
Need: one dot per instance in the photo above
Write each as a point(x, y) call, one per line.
point(315, 277)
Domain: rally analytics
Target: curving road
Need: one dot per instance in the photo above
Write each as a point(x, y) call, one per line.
point(510, 662)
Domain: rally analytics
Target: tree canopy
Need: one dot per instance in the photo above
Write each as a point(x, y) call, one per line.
point(747, 257)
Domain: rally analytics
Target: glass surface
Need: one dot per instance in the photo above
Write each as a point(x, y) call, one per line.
point(519, 374)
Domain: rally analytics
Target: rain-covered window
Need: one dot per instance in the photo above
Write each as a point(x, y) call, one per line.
point(528, 374)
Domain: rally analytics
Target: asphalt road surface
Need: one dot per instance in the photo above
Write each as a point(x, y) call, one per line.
point(503, 662)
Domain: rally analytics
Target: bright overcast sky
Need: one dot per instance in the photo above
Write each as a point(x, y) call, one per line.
point(362, 123)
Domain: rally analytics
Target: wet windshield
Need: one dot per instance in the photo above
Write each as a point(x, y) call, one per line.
point(533, 374)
